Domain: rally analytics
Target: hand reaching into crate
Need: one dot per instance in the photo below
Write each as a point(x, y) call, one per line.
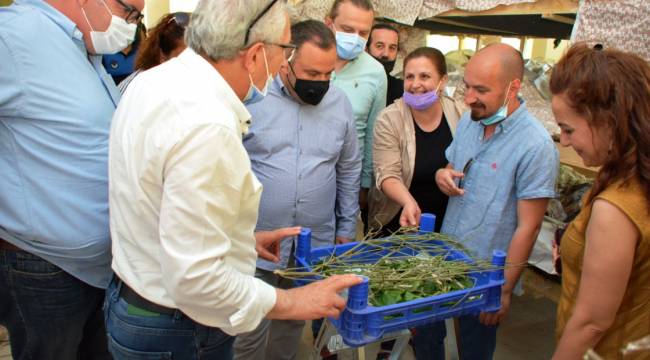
point(314, 301)
point(410, 214)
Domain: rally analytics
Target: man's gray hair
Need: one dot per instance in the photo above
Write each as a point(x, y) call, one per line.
point(218, 27)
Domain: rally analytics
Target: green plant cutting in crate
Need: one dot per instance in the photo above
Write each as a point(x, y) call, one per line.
point(410, 267)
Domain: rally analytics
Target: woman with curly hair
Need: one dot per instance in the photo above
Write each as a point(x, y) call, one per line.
point(601, 101)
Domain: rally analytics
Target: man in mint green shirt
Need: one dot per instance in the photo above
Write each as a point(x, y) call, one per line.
point(359, 75)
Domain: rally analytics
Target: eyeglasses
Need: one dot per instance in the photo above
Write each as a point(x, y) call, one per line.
point(466, 168)
point(180, 18)
point(133, 15)
point(288, 49)
point(250, 26)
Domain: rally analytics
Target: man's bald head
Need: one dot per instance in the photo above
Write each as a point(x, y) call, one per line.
point(493, 79)
point(504, 59)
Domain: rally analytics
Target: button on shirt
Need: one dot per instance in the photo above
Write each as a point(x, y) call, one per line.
point(308, 160)
point(364, 82)
point(56, 104)
point(518, 162)
point(183, 198)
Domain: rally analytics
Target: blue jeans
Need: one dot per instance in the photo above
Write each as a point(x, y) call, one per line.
point(49, 313)
point(134, 335)
point(272, 339)
point(477, 341)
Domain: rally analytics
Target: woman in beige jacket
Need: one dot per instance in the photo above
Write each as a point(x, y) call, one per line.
point(410, 138)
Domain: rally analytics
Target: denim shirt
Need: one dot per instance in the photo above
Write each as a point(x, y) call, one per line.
point(308, 161)
point(519, 161)
point(56, 104)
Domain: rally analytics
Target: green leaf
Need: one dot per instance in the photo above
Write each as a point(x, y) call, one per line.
point(389, 297)
point(408, 296)
point(429, 287)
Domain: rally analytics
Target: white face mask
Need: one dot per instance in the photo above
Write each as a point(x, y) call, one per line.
point(117, 37)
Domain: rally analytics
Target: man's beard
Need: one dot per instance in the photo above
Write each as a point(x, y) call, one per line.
point(477, 111)
point(388, 64)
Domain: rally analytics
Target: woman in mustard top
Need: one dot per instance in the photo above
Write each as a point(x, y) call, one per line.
point(601, 101)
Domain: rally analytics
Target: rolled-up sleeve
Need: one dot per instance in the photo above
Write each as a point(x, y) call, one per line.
point(538, 171)
point(386, 152)
point(206, 182)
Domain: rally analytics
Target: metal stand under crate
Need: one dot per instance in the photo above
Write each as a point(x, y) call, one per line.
point(329, 338)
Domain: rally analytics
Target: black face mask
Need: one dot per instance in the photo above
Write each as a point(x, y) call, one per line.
point(310, 91)
point(388, 64)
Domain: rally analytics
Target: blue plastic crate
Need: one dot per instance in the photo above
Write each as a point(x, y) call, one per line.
point(361, 323)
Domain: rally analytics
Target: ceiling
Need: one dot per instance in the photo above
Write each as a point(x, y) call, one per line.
point(558, 26)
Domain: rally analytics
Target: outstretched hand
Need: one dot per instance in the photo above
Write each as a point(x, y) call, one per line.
point(314, 301)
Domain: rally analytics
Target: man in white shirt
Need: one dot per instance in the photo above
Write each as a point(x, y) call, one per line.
point(303, 149)
point(183, 198)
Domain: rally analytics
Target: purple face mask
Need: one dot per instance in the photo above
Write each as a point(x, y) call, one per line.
point(421, 101)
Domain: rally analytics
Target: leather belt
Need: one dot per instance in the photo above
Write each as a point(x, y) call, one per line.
point(5, 245)
point(132, 298)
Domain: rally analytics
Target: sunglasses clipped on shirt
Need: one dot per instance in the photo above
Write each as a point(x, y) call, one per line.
point(466, 168)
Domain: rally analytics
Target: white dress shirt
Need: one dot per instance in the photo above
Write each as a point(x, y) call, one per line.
point(183, 198)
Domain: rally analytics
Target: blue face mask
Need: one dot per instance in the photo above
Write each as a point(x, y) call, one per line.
point(254, 94)
point(349, 46)
point(501, 114)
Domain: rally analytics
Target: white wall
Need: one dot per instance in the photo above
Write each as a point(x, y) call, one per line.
point(182, 5)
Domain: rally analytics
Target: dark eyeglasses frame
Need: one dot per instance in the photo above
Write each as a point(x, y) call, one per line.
point(288, 49)
point(133, 15)
point(466, 168)
point(250, 26)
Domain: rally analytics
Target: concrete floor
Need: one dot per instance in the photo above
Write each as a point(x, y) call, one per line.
point(527, 333)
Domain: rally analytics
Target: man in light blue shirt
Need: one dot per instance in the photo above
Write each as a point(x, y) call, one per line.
point(56, 103)
point(303, 149)
point(501, 174)
point(360, 76)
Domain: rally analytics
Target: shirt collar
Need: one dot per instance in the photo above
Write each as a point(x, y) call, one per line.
point(350, 63)
point(204, 70)
point(56, 16)
point(279, 88)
